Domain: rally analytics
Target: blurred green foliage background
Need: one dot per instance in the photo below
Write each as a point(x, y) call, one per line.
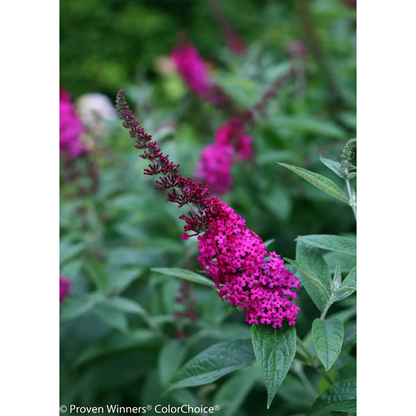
point(115, 351)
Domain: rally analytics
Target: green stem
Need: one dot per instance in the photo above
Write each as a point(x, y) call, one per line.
point(325, 376)
point(328, 305)
point(351, 196)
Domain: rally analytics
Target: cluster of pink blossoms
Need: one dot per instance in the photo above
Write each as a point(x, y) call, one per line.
point(217, 159)
point(236, 258)
point(64, 287)
point(70, 128)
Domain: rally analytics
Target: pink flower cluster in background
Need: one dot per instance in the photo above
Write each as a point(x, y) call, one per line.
point(70, 128)
point(231, 142)
point(64, 287)
point(236, 258)
point(192, 69)
point(214, 168)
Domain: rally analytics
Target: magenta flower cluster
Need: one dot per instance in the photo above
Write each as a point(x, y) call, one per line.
point(245, 274)
point(70, 128)
point(231, 142)
point(64, 287)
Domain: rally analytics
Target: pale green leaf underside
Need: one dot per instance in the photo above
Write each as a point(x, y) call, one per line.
point(330, 242)
point(319, 181)
point(312, 258)
point(333, 165)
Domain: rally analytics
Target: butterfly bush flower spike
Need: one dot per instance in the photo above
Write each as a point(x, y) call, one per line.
point(245, 274)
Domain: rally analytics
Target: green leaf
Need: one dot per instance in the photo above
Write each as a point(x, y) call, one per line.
point(333, 165)
point(170, 359)
point(72, 269)
point(352, 175)
point(312, 258)
point(96, 271)
point(268, 242)
point(275, 350)
point(340, 397)
point(311, 276)
point(213, 363)
point(73, 308)
point(319, 181)
point(67, 251)
point(328, 336)
point(122, 279)
point(330, 242)
point(231, 395)
point(310, 125)
point(111, 317)
point(346, 371)
point(346, 261)
point(126, 305)
point(185, 274)
point(348, 287)
point(115, 343)
point(350, 337)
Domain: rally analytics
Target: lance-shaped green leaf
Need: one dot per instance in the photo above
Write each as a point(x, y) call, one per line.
point(319, 181)
point(213, 363)
point(126, 305)
point(312, 258)
point(340, 397)
point(333, 165)
point(96, 271)
point(313, 286)
point(348, 286)
point(331, 243)
point(185, 274)
point(275, 350)
point(328, 336)
point(170, 359)
point(116, 343)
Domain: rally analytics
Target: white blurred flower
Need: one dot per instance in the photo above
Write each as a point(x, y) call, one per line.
point(96, 112)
